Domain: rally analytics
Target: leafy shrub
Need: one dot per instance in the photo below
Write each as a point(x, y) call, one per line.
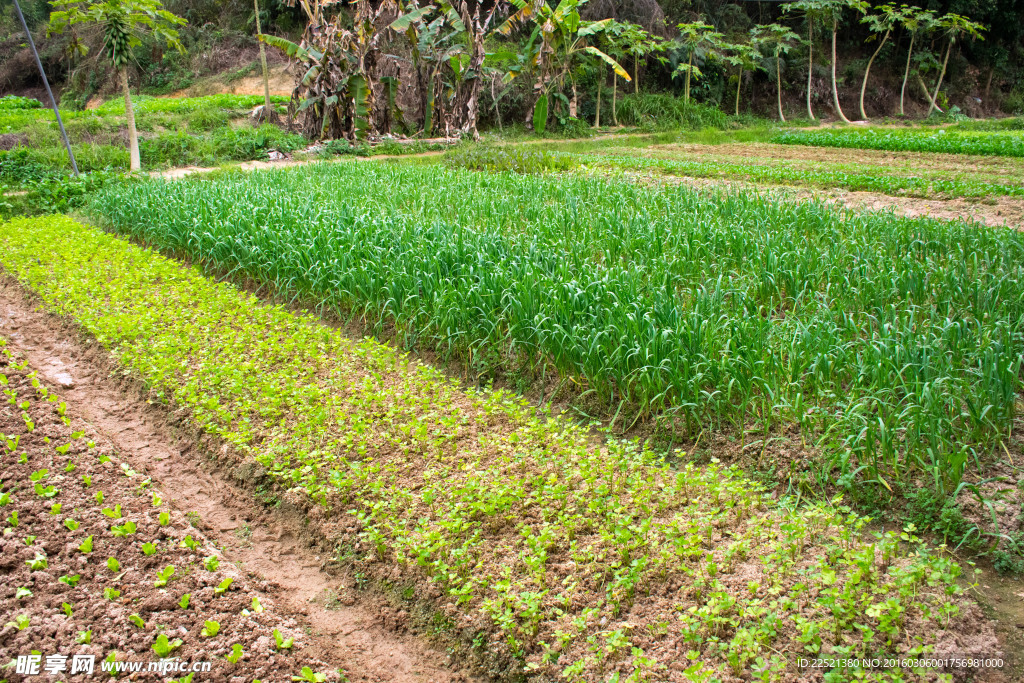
point(11, 102)
point(663, 111)
point(931, 512)
point(248, 144)
point(514, 159)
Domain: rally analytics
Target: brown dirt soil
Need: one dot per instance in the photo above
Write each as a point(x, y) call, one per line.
point(954, 163)
point(282, 82)
point(1004, 211)
point(333, 624)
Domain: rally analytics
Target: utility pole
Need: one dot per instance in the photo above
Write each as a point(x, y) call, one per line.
point(42, 73)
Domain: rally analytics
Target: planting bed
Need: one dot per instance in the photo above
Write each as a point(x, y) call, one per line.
point(95, 562)
point(565, 559)
point(901, 174)
point(950, 141)
point(893, 346)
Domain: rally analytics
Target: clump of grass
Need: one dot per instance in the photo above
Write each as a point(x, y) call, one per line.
point(498, 159)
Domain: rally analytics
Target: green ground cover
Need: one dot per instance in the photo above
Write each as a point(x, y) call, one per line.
point(948, 141)
point(893, 345)
point(578, 562)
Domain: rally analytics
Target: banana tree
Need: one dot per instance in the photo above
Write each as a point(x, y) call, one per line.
point(123, 23)
point(448, 56)
point(699, 40)
point(334, 92)
point(953, 27)
point(887, 19)
point(557, 43)
point(778, 40)
point(744, 57)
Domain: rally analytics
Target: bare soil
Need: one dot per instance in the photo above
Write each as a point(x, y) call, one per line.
point(334, 624)
point(995, 211)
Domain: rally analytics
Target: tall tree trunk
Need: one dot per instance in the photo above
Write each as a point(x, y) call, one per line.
point(906, 74)
point(267, 110)
point(600, 82)
point(129, 110)
point(778, 84)
point(810, 65)
point(835, 86)
point(927, 95)
point(689, 70)
point(636, 73)
point(864, 85)
point(988, 84)
point(739, 82)
point(942, 74)
point(615, 88)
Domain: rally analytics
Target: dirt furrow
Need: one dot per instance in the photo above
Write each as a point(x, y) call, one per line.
point(358, 630)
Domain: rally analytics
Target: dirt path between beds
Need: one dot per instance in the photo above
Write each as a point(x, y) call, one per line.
point(357, 630)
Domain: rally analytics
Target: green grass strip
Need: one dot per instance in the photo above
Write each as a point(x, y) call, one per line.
point(1010, 144)
point(881, 182)
point(576, 561)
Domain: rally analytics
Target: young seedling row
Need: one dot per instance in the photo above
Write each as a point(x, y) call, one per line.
point(101, 574)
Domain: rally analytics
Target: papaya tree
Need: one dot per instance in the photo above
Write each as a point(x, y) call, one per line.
point(888, 17)
point(744, 57)
point(834, 10)
point(813, 11)
point(123, 23)
point(916, 22)
point(953, 27)
point(699, 40)
point(777, 40)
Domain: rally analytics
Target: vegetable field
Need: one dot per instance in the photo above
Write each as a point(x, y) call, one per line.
point(565, 559)
point(949, 141)
point(892, 345)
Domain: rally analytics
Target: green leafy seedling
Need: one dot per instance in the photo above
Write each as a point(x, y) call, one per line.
point(235, 655)
point(86, 545)
point(310, 676)
point(164, 576)
point(164, 647)
point(185, 599)
point(211, 563)
point(111, 593)
point(224, 586)
point(113, 564)
point(148, 548)
point(281, 642)
point(210, 629)
point(137, 620)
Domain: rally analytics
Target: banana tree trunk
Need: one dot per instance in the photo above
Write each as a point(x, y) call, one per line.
point(810, 65)
point(835, 86)
point(867, 70)
point(906, 73)
point(942, 74)
point(129, 110)
point(573, 103)
point(778, 84)
point(267, 110)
